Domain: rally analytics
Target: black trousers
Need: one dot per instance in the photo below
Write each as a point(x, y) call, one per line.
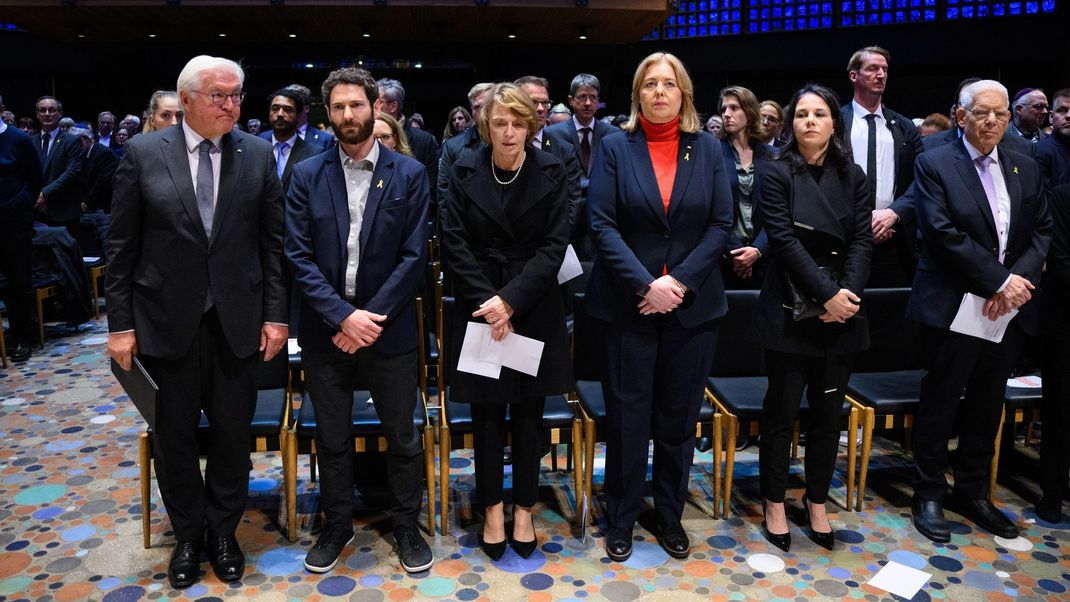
point(16, 249)
point(892, 264)
point(825, 381)
point(208, 378)
point(962, 390)
point(488, 434)
point(1055, 444)
point(392, 379)
point(653, 377)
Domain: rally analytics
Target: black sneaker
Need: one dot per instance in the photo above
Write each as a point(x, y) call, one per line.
point(325, 554)
point(413, 551)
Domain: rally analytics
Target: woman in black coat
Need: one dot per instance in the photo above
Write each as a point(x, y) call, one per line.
point(504, 237)
point(814, 206)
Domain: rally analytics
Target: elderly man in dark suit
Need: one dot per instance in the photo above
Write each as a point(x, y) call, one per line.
point(884, 144)
point(61, 158)
point(985, 231)
point(98, 167)
point(356, 236)
point(20, 183)
point(1009, 141)
point(195, 286)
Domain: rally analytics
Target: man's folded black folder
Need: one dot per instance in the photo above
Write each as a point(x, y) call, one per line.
point(141, 389)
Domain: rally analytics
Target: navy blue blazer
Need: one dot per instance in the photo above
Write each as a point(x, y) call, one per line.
point(1053, 155)
point(635, 239)
point(960, 249)
point(761, 152)
point(393, 247)
point(313, 136)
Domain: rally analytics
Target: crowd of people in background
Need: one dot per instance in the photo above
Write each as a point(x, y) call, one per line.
point(812, 201)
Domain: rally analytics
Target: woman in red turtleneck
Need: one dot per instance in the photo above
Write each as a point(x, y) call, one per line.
point(660, 210)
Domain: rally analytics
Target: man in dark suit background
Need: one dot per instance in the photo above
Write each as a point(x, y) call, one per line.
point(356, 236)
point(20, 183)
point(1053, 152)
point(61, 158)
point(467, 140)
point(285, 106)
point(98, 167)
point(884, 144)
point(985, 231)
point(195, 286)
point(106, 130)
point(311, 135)
point(1030, 110)
point(423, 145)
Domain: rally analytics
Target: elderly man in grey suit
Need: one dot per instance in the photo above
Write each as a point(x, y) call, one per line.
point(196, 287)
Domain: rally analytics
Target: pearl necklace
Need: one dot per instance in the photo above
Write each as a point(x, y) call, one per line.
point(494, 172)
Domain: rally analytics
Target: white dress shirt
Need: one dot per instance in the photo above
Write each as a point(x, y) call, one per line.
point(358, 175)
point(193, 141)
point(885, 151)
point(579, 135)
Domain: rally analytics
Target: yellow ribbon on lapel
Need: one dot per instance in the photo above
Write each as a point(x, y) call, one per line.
point(380, 184)
point(1016, 169)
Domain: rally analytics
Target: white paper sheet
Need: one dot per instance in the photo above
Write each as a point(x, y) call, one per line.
point(1025, 382)
point(292, 348)
point(900, 579)
point(474, 337)
point(570, 267)
point(515, 351)
point(972, 322)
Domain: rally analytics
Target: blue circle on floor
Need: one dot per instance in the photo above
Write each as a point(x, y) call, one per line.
point(722, 542)
point(537, 581)
point(911, 559)
point(983, 580)
point(1052, 586)
point(130, 593)
point(847, 536)
point(945, 563)
point(513, 563)
point(646, 555)
point(336, 585)
point(281, 561)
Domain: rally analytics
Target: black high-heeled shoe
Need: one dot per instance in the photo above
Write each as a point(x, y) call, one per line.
point(524, 548)
point(494, 550)
point(780, 540)
point(824, 539)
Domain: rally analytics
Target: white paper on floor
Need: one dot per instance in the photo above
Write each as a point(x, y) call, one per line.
point(900, 579)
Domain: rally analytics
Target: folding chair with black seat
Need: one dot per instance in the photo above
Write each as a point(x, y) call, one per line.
point(367, 432)
point(1020, 404)
point(560, 422)
point(738, 383)
point(97, 269)
point(271, 422)
point(588, 392)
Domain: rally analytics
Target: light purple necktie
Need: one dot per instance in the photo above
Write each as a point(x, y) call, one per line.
point(990, 191)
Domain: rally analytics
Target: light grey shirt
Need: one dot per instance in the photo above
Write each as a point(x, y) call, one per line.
point(358, 176)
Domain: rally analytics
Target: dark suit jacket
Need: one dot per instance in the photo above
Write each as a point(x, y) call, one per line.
point(1053, 155)
point(97, 171)
point(567, 129)
point(1056, 298)
point(761, 153)
point(313, 136)
point(161, 264)
point(452, 149)
point(425, 148)
point(566, 153)
point(61, 169)
point(960, 249)
point(634, 238)
point(20, 177)
point(515, 251)
point(112, 145)
point(301, 150)
point(393, 247)
point(813, 223)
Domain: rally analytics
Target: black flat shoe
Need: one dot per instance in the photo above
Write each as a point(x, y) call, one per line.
point(825, 539)
point(929, 520)
point(780, 540)
point(21, 353)
point(495, 550)
point(1049, 510)
point(185, 565)
point(524, 548)
point(618, 544)
point(673, 539)
point(985, 515)
point(228, 562)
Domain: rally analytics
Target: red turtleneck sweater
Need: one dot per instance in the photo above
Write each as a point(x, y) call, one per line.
point(663, 142)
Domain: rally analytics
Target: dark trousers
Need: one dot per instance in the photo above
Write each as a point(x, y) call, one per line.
point(962, 391)
point(208, 378)
point(1055, 444)
point(330, 379)
point(16, 248)
point(488, 433)
point(825, 381)
point(653, 377)
point(892, 264)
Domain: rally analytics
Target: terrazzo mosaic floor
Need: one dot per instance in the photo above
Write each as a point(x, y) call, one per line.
point(70, 525)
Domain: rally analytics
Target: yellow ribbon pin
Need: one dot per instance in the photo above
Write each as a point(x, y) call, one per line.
point(687, 156)
point(1016, 169)
point(380, 184)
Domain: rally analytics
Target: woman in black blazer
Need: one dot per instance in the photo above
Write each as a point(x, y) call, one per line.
point(660, 212)
point(504, 238)
point(814, 206)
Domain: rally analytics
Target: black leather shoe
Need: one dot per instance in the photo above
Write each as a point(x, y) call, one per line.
point(987, 516)
point(929, 520)
point(673, 539)
point(185, 565)
point(780, 540)
point(825, 539)
point(1049, 510)
point(21, 353)
point(618, 544)
point(494, 550)
point(228, 562)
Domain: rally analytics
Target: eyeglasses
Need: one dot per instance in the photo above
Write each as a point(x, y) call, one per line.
point(385, 137)
point(219, 98)
point(543, 103)
point(982, 114)
point(586, 97)
point(1038, 107)
point(766, 120)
